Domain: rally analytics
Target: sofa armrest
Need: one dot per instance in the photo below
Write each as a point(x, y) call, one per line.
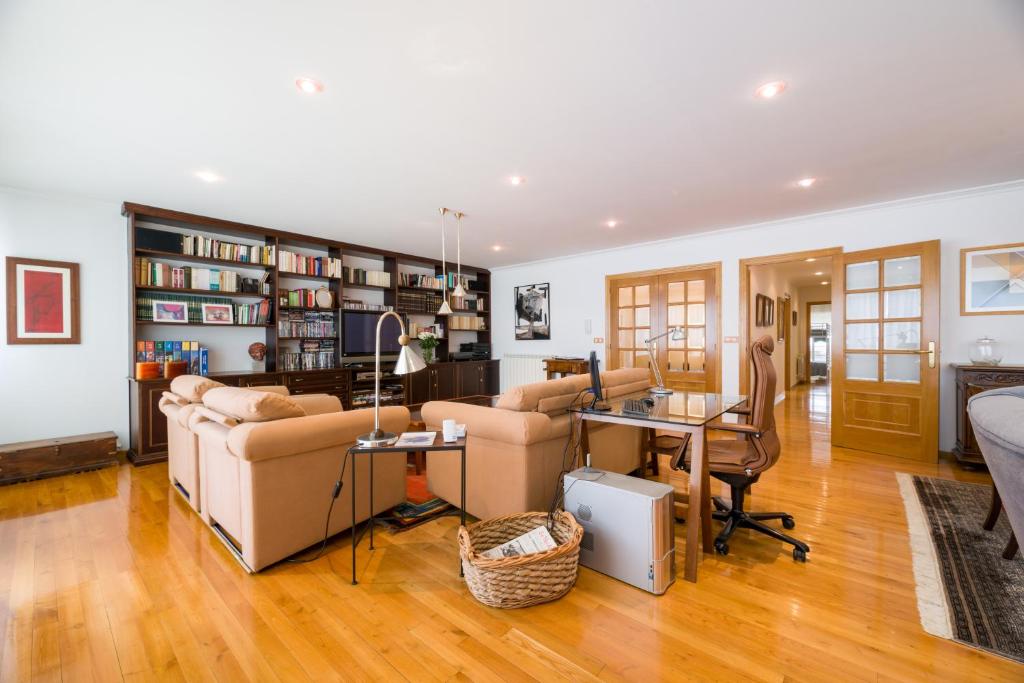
point(496, 424)
point(256, 441)
point(318, 404)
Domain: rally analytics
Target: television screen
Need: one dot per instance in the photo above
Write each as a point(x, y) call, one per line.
point(358, 332)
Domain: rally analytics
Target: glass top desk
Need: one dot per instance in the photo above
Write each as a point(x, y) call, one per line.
point(680, 412)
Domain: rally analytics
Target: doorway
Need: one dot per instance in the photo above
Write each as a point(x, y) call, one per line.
point(648, 306)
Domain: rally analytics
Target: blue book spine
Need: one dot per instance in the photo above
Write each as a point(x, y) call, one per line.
point(177, 350)
point(204, 362)
point(193, 361)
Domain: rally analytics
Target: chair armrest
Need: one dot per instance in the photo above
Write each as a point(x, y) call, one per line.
point(739, 428)
point(495, 424)
point(317, 404)
point(740, 410)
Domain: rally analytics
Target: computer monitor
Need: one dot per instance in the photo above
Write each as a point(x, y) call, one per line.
point(595, 384)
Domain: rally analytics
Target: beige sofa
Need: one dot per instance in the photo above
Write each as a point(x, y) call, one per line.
point(515, 450)
point(266, 481)
point(178, 404)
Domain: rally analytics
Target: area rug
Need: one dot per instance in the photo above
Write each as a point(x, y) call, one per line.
point(966, 591)
point(407, 515)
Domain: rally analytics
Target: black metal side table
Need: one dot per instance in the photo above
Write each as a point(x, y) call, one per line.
point(439, 445)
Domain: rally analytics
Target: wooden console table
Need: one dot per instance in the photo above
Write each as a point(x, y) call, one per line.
point(971, 380)
point(565, 366)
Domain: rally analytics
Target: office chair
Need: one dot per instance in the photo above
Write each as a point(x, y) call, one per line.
point(739, 463)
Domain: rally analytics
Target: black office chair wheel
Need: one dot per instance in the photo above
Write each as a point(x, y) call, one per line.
point(788, 522)
point(799, 554)
point(721, 547)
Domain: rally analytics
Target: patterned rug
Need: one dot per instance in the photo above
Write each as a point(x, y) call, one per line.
point(966, 591)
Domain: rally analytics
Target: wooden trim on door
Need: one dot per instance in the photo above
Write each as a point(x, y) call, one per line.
point(745, 264)
point(715, 266)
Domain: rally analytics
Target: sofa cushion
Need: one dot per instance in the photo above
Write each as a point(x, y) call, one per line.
point(624, 381)
point(248, 405)
point(193, 387)
point(1000, 414)
point(550, 397)
point(169, 397)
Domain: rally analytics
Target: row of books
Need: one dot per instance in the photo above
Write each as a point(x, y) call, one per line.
point(307, 324)
point(155, 274)
point(353, 305)
point(154, 351)
point(302, 297)
point(424, 281)
point(312, 355)
point(299, 264)
point(419, 302)
point(253, 314)
point(466, 322)
point(467, 304)
point(207, 247)
point(193, 304)
point(360, 276)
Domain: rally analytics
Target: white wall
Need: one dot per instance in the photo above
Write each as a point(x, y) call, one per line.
point(969, 218)
point(65, 389)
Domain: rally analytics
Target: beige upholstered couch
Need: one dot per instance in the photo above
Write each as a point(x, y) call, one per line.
point(515, 450)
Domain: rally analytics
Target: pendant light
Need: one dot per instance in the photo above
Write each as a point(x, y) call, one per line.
point(445, 309)
point(459, 290)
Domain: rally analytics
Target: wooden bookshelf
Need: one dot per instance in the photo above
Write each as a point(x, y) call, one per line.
point(148, 444)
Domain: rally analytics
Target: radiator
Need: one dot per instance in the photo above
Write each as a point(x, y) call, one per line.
point(519, 368)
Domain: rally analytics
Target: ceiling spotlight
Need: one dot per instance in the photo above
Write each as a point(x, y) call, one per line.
point(770, 90)
point(497, 247)
point(612, 223)
point(824, 282)
point(820, 272)
point(208, 176)
point(810, 260)
point(516, 180)
point(310, 86)
point(806, 182)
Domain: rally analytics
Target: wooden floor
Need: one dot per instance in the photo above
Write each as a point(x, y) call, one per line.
point(108, 576)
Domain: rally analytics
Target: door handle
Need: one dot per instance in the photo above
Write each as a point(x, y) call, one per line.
point(931, 354)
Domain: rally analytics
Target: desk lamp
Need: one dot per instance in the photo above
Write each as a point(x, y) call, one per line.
point(408, 362)
point(677, 335)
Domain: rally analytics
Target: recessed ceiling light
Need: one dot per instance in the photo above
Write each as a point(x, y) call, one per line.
point(770, 90)
point(824, 282)
point(208, 176)
point(820, 272)
point(612, 223)
point(308, 85)
point(806, 182)
point(810, 260)
point(516, 180)
point(497, 247)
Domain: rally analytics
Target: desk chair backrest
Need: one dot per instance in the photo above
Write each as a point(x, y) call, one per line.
point(762, 405)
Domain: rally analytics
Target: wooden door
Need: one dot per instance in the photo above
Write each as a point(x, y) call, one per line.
point(632, 306)
point(885, 315)
point(687, 300)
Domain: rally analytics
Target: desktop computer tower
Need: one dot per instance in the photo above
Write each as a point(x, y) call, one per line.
point(628, 527)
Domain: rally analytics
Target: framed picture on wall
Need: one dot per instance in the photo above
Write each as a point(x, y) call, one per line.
point(42, 302)
point(533, 311)
point(992, 280)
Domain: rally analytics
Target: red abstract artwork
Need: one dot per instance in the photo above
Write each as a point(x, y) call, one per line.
point(44, 301)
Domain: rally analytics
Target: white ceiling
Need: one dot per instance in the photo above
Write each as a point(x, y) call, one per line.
point(641, 112)
point(800, 273)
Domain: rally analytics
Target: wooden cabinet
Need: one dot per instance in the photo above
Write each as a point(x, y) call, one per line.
point(971, 380)
point(477, 378)
point(261, 380)
point(148, 426)
point(443, 383)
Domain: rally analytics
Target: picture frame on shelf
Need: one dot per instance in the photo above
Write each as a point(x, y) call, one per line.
point(218, 314)
point(42, 301)
point(992, 280)
point(170, 312)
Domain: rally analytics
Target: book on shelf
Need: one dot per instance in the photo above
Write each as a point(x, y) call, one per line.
point(360, 276)
point(299, 264)
point(425, 303)
point(466, 322)
point(321, 325)
point(468, 304)
point(208, 247)
point(313, 354)
point(303, 298)
point(422, 281)
point(149, 273)
point(257, 313)
point(162, 351)
point(353, 305)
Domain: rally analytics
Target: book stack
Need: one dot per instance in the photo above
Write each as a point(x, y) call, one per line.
point(312, 355)
point(466, 322)
point(467, 304)
point(253, 314)
point(323, 266)
point(307, 324)
point(153, 274)
point(200, 245)
point(359, 276)
point(426, 303)
point(353, 305)
point(150, 351)
point(421, 281)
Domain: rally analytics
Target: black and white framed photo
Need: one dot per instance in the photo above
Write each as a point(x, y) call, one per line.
point(533, 311)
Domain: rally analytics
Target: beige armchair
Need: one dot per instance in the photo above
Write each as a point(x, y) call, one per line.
point(515, 450)
point(266, 485)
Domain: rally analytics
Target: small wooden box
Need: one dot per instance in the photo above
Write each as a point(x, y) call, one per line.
point(52, 457)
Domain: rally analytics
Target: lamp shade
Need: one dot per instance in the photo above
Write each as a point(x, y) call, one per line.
point(459, 291)
point(408, 361)
point(678, 334)
point(445, 308)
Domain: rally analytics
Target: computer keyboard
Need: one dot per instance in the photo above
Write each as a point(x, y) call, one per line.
point(637, 406)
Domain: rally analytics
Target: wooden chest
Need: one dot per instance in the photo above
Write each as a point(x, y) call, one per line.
point(51, 457)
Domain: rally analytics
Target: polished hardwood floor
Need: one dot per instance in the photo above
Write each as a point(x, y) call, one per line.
point(108, 576)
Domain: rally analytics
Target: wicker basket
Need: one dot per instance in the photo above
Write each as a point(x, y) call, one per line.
point(526, 580)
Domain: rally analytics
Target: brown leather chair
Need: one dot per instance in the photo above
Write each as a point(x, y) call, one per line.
point(739, 463)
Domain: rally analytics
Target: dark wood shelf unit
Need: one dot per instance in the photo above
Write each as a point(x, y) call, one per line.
point(450, 380)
